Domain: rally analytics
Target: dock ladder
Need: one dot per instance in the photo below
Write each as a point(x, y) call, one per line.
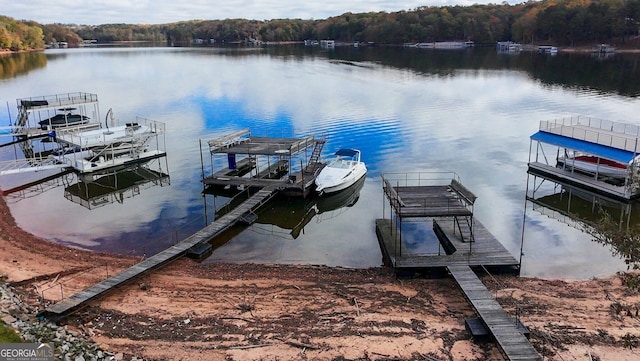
point(317, 151)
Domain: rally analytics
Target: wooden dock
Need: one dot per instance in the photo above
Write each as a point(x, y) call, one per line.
point(463, 243)
point(485, 250)
point(504, 328)
point(78, 300)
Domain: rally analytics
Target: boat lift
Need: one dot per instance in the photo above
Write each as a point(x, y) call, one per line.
point(26, 130)
point(32, 111)
point(84, 147)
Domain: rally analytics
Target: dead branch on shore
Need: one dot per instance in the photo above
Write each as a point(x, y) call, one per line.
point(244, 347)
point(301, 345)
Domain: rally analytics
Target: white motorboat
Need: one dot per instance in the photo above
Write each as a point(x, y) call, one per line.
point(342, 171)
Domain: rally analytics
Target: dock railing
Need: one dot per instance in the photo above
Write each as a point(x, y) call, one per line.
point(604, 132)
point(57, 100)
point(83, 137)
point(420, 178)
point(393, 182)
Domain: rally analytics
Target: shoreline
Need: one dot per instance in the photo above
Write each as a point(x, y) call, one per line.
point(527, 47)
point(191, 311)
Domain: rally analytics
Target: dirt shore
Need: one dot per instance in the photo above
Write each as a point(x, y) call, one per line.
point(190, 311)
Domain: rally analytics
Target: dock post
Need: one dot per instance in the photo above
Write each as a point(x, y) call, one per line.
point(231, 158)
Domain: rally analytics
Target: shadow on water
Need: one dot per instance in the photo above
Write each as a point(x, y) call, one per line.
point(289, 213)
point(97, 189)
point(114, 186)
point(294, 214)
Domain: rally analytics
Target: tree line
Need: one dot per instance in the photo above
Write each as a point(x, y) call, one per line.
point(20, 35)
point(554, 22)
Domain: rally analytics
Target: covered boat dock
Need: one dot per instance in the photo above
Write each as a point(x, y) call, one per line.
point(241, 160)
point(593, 154)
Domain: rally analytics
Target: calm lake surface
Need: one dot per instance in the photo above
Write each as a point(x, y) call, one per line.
point(407, 110)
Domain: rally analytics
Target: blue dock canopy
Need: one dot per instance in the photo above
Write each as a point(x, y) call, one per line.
point(598, 150)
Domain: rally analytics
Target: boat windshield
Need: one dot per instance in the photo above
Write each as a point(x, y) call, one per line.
point(340, 163)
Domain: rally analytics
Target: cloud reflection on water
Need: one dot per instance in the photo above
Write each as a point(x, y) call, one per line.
point(474, 122)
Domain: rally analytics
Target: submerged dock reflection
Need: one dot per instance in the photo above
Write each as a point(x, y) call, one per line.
point(610, 222)
point(97, 189)
point(294, 214)
point(114, 185)
point(291, 213)
point(576, 206)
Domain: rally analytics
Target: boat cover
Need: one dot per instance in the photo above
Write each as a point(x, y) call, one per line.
point(598, 150)
point(346, 152)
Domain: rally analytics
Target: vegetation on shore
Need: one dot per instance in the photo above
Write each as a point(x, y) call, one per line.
point(20, 35)
point(8, 335)
point(623, 241)
point(557, 22)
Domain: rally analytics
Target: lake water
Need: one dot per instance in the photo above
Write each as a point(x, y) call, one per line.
point(408, 110)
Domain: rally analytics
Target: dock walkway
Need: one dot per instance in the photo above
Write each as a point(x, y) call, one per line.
point(78, 300)
point(513, 344)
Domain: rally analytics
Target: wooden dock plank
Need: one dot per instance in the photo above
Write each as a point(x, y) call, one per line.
point(74, 302)
point(504, 329)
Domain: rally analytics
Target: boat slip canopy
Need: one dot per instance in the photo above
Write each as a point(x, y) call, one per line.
point(602, 151)
point(346, 152)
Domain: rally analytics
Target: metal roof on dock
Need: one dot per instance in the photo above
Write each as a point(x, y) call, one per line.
point(602, 151)
point(254, 168)
point(241, 142)
point(601, 139)
point(608, 139)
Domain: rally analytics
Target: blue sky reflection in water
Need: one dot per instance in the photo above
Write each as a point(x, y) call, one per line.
point(476, 122)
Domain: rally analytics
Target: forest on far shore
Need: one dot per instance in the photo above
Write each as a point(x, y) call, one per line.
point(552, 22)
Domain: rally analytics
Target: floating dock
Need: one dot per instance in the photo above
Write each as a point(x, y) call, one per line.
point(442, 199)
point(464, 244)
point(485, 251)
